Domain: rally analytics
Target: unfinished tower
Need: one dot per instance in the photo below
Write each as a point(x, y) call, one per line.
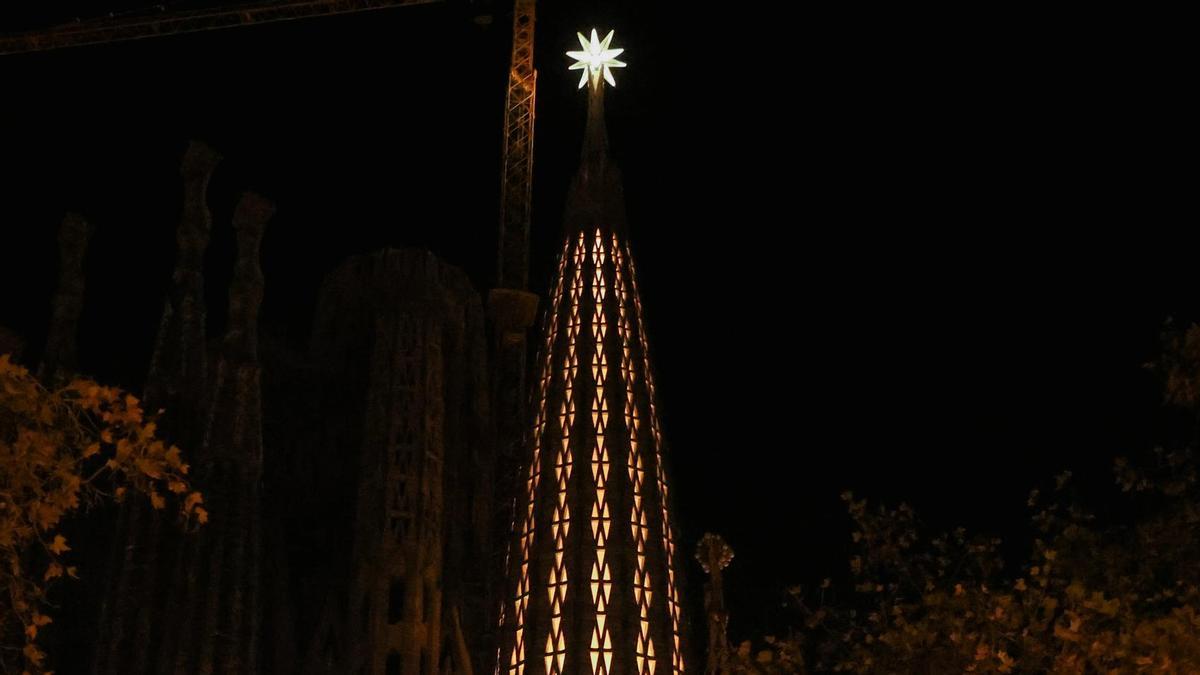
point(400, 337)
point(593, 564)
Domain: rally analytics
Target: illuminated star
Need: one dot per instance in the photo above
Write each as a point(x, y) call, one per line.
point(596, 59)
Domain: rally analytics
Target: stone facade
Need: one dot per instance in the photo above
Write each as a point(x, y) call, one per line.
point(350, 482)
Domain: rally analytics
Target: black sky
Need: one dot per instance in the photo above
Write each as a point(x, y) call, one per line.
point(921, 255)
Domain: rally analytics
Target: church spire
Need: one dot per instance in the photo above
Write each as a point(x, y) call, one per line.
point(594, 587)
point(179, 367)
point(596, 198)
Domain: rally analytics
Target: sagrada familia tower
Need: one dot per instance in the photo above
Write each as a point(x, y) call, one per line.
point(354, 481)
point(594, 564)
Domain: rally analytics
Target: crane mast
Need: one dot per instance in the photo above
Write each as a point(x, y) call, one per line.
point(517, 176)
point(511, 306)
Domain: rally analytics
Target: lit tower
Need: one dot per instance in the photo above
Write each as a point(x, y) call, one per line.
point(593, 565)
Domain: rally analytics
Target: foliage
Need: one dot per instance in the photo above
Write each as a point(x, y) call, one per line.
point(1118, 599)
point(1118, 596)
point(1179, 366)
point(62, 451)
point(780, 657)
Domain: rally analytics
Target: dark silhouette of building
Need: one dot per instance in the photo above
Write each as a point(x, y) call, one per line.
point(400, 342)
point(350, 485)
point(354, 483)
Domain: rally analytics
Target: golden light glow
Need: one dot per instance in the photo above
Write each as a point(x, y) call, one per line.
point(560, 525)
point(595, 368)
point(642, 593)
point(601, 650)
point(521, 605)
point(596, 60)
point(668, 539)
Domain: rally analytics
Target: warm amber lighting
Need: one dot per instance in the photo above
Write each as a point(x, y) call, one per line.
point(521, 606)
point(668, 539)
point(560, 525)
point(595, 369)
point(642, 594)
point(601, 586)
point(596, 60)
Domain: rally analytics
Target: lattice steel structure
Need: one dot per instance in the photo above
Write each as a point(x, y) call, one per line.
point(517, 177)
point(160, 23)
point(593, 562)
point(511, 307)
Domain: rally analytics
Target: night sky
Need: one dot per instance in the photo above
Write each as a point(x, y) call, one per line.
point(922, 256)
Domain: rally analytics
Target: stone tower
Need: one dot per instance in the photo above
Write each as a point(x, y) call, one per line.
point(146, 558)
point(401, 336)
point(178, 602)
point(593, 563)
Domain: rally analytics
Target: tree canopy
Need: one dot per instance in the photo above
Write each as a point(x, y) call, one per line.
point(1118, 594)
point(61, 451)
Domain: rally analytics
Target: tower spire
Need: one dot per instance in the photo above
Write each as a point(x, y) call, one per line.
point(597, 198)
point(593, 582)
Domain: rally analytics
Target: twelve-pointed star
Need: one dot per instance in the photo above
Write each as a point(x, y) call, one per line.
point(596, 59)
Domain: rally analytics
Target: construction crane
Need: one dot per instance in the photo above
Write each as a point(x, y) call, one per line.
point(511, 307)
point(159, 22)
point(517, 176)
point(517, 171)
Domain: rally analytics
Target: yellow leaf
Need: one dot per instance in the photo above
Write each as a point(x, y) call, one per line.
point(201, 516)
point(178, 487)
point(148, 467)
point(90, 450)
point(157, 501)
point(192, 501)
point(34, 654)
point(54, 571)
point(1065, 634)
point(60, 544)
